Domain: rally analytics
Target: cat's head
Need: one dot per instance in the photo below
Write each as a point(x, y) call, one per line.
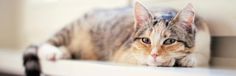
point(159, 42)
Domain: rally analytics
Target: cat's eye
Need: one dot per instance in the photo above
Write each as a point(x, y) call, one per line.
point(146, 40)
point(169, 41)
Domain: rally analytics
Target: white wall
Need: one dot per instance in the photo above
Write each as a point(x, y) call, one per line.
point(42, 18)
point(23, 22)
point(9, 23)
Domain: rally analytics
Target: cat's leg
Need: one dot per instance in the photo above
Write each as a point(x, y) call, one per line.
point(35, 53)
point(194, 60)
point(31, 61)
point(53, 53)
point(53, 49)
point(201, 53)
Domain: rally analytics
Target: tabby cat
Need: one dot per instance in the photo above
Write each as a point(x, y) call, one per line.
point(156, 37)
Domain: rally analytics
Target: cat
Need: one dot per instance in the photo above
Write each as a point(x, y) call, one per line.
point(160, 37)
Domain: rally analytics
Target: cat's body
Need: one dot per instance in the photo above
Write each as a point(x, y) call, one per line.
point(119, 36)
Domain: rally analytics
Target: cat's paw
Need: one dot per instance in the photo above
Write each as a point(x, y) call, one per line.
point(50, 52)
point(188, 61)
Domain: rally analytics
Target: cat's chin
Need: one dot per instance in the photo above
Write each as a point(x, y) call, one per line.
point(160, 62)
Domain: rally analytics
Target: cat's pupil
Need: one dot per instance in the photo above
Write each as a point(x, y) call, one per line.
point(169, 41)
point(146, 41)
point(167, 23)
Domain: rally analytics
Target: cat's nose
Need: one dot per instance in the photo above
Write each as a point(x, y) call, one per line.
point(154, 55)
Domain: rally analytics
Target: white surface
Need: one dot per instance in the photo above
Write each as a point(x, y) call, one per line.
point(11, 62)
point(75, 68)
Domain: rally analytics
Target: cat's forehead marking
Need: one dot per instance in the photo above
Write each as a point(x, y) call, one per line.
point(155, 37)
point(160, 27)
point(159, 32)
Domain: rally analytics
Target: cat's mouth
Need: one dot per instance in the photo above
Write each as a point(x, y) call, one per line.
point(161, 63)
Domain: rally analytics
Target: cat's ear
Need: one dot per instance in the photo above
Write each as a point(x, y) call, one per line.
point(142, 14)
point(185, 17)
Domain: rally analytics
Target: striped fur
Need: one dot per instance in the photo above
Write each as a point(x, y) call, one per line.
point(116, 35)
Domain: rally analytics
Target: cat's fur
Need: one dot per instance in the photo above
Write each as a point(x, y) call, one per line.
point(156, 37)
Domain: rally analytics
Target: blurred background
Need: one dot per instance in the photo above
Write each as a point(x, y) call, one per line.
point(25, 22)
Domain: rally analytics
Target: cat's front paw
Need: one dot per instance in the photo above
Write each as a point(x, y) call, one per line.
point(49, 52)
point(188, 61)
